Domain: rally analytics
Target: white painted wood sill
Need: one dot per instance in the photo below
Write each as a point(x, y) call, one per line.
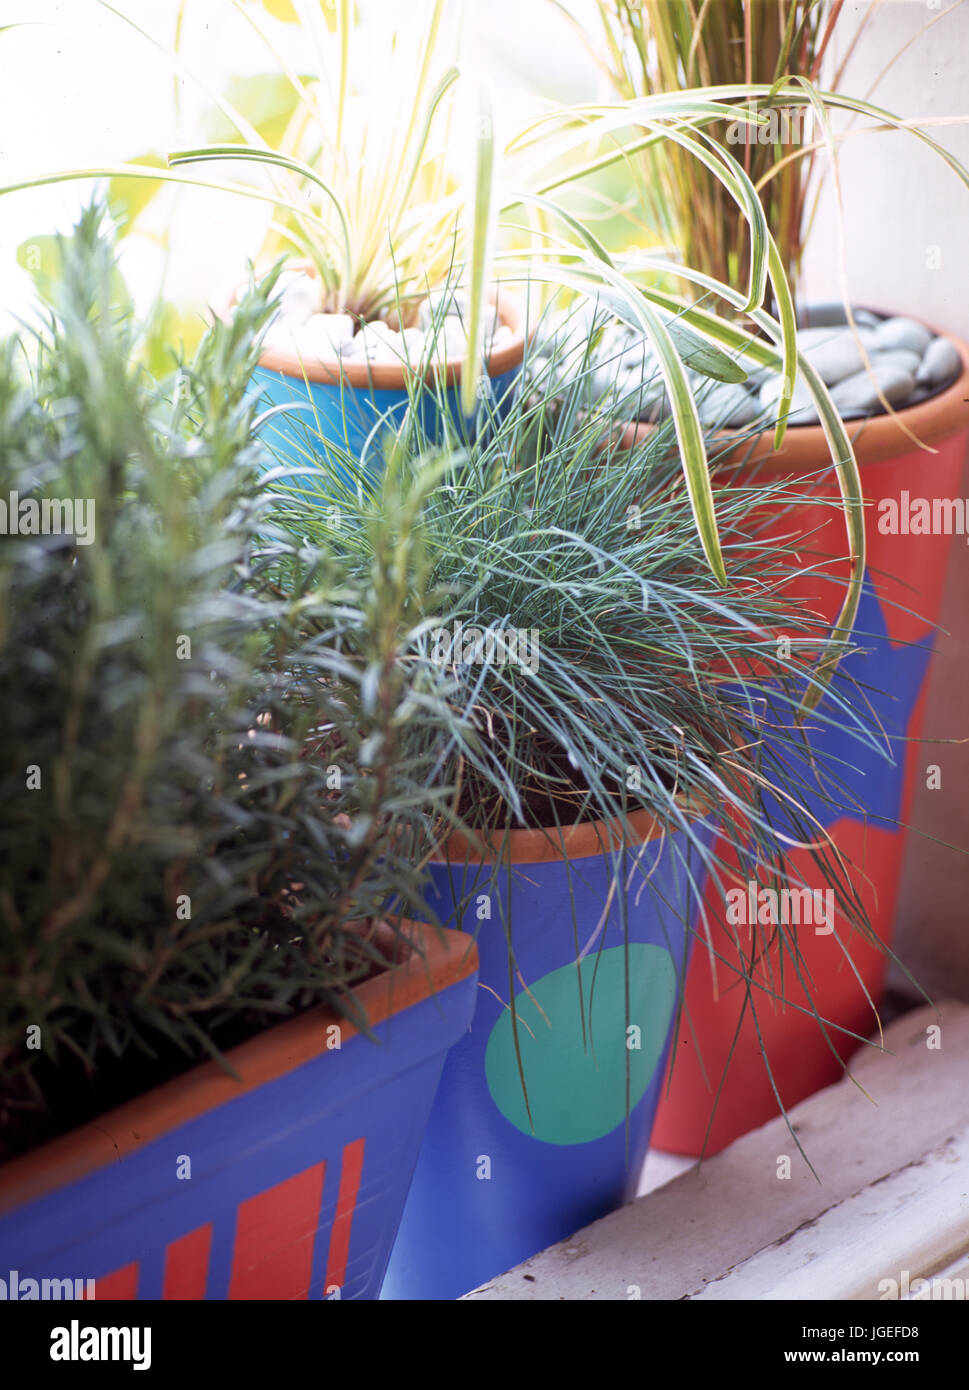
point(889, 1217)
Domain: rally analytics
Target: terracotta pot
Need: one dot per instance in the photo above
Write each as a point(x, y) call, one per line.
point(886, 683)
point(286, 1181)
point(499, 1179)
point(350, 408)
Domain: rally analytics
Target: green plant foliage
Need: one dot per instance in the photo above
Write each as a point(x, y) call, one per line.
point(368, 182)
point(127, 198)
point(375, 194)
point(215, 749)
point(644, 685)
point(651, 46)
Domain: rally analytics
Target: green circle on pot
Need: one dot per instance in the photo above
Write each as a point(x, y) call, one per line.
point(577, 1084)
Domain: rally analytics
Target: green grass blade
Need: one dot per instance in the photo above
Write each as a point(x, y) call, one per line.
point(480, 245)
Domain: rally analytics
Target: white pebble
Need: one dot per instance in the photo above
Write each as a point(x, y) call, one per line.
point(810, 337)
point(602, 385)
point(802, 409)
point(329, 335)
point(940, 363)
point(375, 343)
point(897, 357)
point(902, 333)
point(412, 345)
point(299, 298)
point(502, 337)
point(835, 353)
point(447, 340)
point(860, 392)
point(443, 304)
point(568, 329)
point(624, 350)
point(756, 376)
point(727, 405)
point(280, 335)
point(643, 395)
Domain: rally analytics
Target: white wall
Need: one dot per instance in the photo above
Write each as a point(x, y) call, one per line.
point(906, 215)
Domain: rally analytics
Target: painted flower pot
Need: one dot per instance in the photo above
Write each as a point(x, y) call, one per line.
point(501, 1177)
point(286, 1183)
point(885, 682)
point(332, 412)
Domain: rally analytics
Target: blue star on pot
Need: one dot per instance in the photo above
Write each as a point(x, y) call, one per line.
point(859, 772)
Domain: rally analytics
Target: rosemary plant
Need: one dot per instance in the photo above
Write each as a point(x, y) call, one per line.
point(214, 787)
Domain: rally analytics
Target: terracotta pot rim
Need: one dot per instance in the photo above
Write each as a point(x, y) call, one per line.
point(448, 957)
point(874, 439)
point(393, 376)
point(584, 840)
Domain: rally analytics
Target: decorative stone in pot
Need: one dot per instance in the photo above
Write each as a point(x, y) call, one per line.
point(339, 385)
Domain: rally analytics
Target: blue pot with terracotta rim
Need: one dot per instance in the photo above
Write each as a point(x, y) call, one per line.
point(506, 1170)
point(283, 1181)
point(333, 418)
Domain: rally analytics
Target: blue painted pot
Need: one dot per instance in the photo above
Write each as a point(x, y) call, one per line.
point(501, 1177)
point(339, 419)
point(287, 1183)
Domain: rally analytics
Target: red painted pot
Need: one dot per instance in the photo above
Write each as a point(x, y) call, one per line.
point(842, 972)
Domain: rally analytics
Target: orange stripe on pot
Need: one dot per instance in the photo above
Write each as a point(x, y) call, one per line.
point(119, 1286)
point(187, 1264)
point(273, 1253)
point(350, 1171)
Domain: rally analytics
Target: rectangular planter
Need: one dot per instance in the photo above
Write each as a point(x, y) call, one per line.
point(287, 1183)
